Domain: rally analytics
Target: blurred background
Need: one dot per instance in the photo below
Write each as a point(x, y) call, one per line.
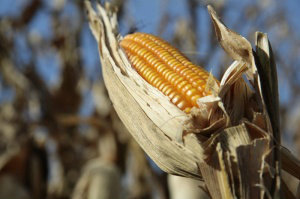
point(60, 137)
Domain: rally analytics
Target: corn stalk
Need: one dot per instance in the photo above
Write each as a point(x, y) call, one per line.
point(231, 142)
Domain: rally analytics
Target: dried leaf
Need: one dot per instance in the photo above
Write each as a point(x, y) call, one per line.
point(236, 46)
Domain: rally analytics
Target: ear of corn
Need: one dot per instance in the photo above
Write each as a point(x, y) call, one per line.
point(165, 68)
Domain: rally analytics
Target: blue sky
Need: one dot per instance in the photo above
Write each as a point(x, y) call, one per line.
point(146, 15)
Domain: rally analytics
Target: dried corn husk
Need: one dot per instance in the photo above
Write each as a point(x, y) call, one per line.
point(149, 116)
point(229, 141)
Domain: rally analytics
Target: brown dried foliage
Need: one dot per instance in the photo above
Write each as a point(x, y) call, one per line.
point(25, 160)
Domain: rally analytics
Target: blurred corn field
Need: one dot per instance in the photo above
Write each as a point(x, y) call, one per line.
point(59, 134)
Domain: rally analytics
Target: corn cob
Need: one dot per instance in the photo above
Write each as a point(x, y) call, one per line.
point(165, 68)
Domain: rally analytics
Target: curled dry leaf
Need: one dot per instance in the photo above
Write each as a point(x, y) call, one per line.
point(227, 141)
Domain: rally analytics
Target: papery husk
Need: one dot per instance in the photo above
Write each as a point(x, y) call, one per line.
point(149, 116)
point(228, 141)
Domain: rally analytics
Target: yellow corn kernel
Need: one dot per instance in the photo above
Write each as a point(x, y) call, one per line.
point(165, 68)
